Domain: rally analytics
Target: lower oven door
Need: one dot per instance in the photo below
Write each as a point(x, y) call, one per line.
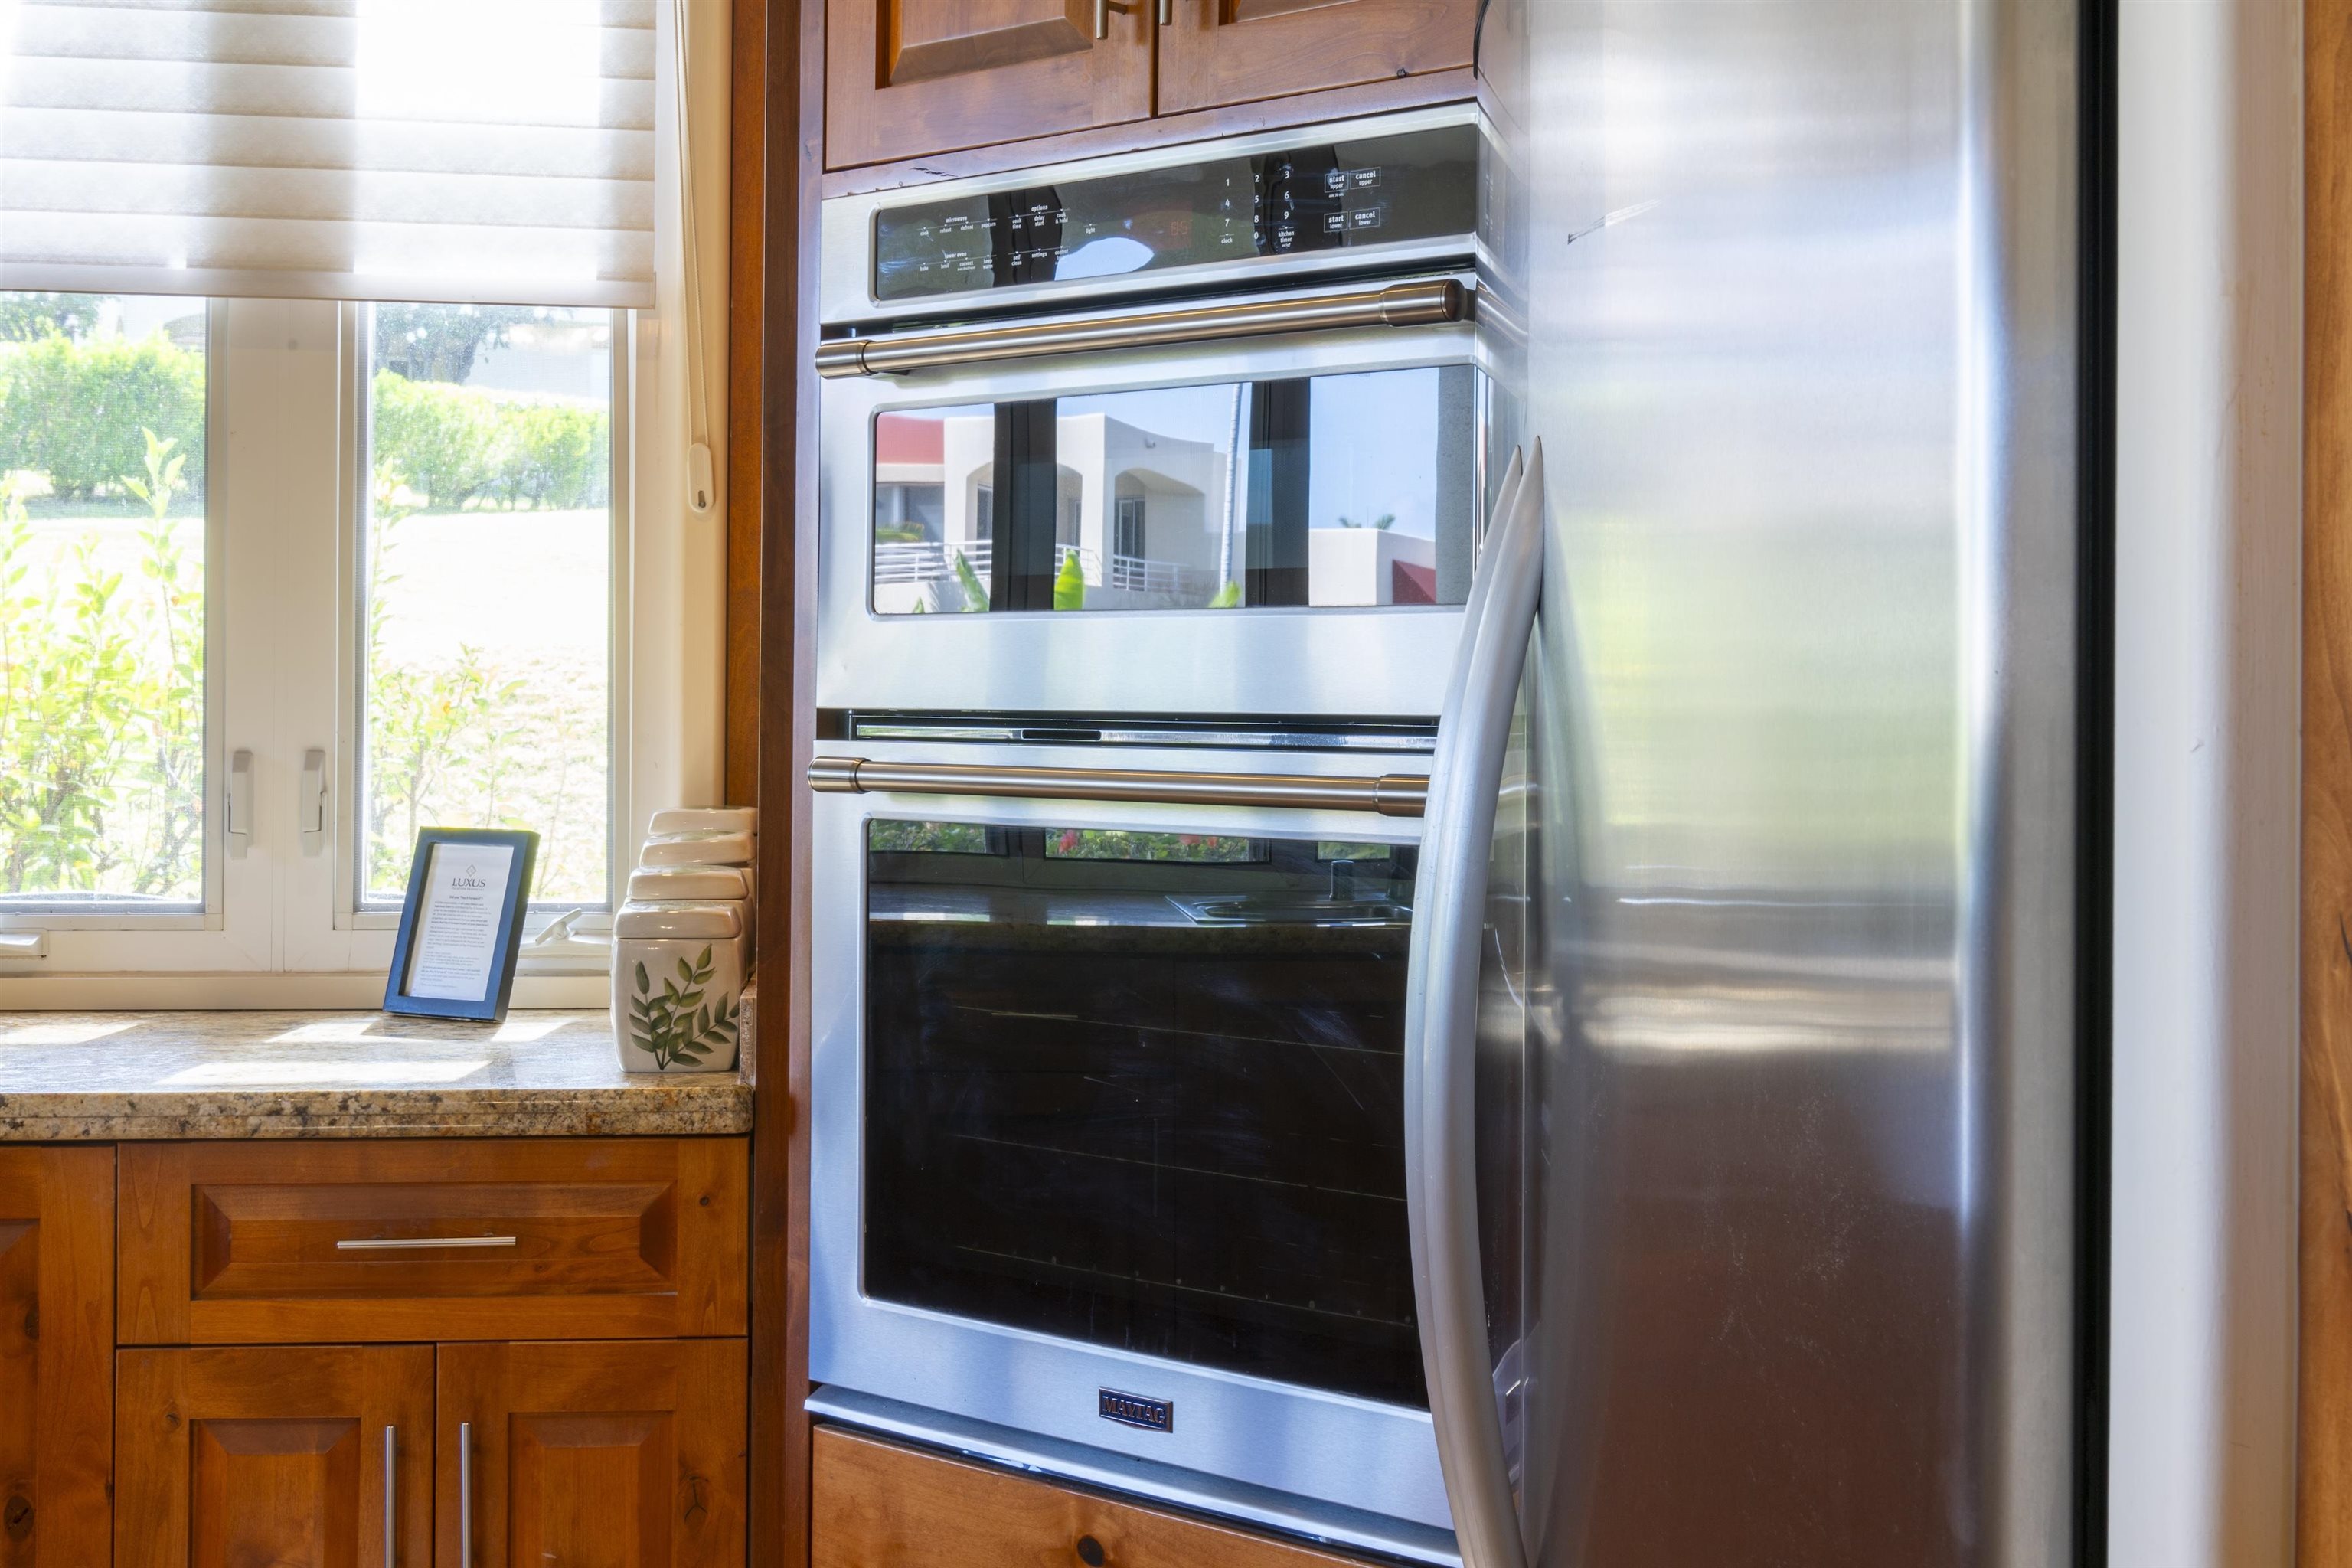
point(1109, 1169)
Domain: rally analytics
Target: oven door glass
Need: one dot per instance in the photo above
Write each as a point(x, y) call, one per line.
point(1356, 489)
point(1144, 1090)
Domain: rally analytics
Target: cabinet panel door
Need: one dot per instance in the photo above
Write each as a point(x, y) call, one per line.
point(910, 77)
point(1236, 51)
point(257, 1243)
point(610, 1455)
point(57, 1356)
point(878, 1505)
point(232, 1457)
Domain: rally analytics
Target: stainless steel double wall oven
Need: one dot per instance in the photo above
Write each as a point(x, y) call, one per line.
point(1151, 490)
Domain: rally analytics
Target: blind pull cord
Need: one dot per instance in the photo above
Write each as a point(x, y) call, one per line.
point(702, 490)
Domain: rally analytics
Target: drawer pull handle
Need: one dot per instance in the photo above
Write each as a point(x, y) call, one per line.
point(464, 1494)
point(413, 1243)
point(390, 1496)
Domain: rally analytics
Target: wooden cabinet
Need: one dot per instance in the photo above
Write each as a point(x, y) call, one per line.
point(57, 1356)
point(878, 1505)
point(1234, 51)
point(198, 1445)
point(250, 1243)
point(623, 1453)
point(904, 77)
point(908, 77)
point(229, 1457)
point(631, 1454)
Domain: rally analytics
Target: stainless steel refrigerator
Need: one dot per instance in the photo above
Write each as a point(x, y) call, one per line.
point(1749, 1024)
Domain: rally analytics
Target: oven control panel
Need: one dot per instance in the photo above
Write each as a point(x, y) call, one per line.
point(1381, 190)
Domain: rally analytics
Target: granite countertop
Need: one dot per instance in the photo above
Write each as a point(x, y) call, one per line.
point(103, 1077)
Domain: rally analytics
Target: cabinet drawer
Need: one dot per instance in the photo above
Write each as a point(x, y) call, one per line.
point(877, 1505)
point(253, 1243)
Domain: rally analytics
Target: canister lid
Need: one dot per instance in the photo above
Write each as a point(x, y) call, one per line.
point(704, 819)
point(714, 921)
point(700, 847)
point(673, 883)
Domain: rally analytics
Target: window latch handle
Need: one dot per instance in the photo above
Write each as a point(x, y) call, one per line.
point(238, 826)
point(313, 801)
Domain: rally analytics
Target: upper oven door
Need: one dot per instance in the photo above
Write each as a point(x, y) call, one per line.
point(1271, 524)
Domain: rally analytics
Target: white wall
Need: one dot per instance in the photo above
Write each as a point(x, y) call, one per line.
point(2208, 526)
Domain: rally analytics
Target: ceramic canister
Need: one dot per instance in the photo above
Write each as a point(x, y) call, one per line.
point(698, 884)
point(704, 819)
point(677, 987)
point(698, 846)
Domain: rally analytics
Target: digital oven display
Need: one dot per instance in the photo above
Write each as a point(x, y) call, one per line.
point(1384, 190)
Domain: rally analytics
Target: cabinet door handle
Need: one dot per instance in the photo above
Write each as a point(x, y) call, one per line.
point(414, 1242)
point(390, 1496)
point(1167, 12)
point(1102, 19)
point(464, 1494)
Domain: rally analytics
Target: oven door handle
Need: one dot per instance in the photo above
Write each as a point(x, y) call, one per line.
point(1389, 795)
point(1441, 1022)
point(1433, 303)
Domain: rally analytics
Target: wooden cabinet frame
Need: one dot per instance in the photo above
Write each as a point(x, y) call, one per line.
point(57, 1356)
point(904, 77)
point(779, 176)
point(230, 1456)
point(563, 1450)
point(568, 1442)
point(1217, 52)
point(881, 1503)
point(2323, 1464)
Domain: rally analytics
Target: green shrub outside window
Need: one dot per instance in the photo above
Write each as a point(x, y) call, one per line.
point(74, 412)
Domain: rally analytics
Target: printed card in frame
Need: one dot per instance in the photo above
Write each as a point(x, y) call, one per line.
point(461, 923)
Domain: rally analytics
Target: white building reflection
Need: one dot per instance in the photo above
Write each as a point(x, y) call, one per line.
point(1153, 520)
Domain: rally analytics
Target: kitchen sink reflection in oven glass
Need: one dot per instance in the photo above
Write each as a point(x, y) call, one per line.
point(1144, 1090)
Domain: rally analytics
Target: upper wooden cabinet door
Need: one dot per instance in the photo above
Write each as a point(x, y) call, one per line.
point(57, 1356)
point(230, 1459)
point(908, 77)
point(620, 1455)
point(1235, 51)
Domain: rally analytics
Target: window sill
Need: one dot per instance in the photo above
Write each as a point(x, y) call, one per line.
point(25, 986)
point(107, 1076)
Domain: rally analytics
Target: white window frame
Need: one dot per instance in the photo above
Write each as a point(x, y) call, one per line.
point(285, 405)
point(349, 908)
point(279, 928)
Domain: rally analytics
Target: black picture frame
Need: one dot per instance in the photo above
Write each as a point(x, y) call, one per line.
point(506, 944)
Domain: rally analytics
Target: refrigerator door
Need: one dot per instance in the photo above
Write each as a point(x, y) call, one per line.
point(1785, 1066)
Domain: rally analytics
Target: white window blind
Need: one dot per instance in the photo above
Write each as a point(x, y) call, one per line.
point(487, 151)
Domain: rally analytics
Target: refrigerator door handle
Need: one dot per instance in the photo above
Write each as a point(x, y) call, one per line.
point(1441, 1023)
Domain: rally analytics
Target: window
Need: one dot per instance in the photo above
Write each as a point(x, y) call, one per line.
point(476, 585)
point(490, 465)
point(102, 596)
point(293, 570)
point(1126, 537)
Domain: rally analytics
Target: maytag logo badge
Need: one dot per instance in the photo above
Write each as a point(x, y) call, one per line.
point(1134, 1410)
